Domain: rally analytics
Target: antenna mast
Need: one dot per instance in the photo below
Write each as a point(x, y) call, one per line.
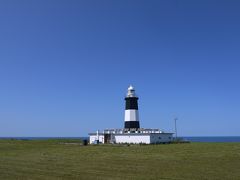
point(175, 121)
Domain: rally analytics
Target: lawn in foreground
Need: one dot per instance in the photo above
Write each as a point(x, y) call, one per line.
point(55, 159)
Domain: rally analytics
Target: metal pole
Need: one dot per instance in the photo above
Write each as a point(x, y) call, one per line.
point(175, 127)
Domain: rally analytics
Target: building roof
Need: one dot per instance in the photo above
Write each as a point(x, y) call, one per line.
point(127, 134)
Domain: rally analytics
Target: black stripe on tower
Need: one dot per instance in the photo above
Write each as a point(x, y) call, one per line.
point(131, 103)
point(131, 125)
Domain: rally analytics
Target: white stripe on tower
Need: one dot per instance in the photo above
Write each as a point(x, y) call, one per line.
point(131, 115)
point(131, 120)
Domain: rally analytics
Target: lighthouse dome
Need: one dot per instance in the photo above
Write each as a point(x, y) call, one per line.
point(130, 88)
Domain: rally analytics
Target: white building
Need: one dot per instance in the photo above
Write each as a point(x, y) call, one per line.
point(143, 136)
point(132, 133)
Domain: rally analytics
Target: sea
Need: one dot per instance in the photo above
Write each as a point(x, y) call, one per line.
point(187, 138)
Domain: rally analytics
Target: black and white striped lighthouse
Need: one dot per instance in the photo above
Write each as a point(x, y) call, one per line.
point(131, 120)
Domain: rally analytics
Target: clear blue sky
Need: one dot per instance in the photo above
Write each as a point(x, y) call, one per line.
point(65, 65)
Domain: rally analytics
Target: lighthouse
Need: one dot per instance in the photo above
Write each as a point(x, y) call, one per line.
point(131, 120)
point(131, 133)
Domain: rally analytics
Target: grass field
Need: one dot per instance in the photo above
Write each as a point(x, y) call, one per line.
point(63, 159)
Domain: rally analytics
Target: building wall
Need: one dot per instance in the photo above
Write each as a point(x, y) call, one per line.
point(160, 138)
point(133, 138)
point(141, 138)
point(93, 138)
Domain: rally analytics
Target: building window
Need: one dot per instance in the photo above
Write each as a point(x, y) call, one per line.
point(159, 138)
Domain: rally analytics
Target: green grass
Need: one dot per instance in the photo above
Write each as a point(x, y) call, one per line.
point(55, 159)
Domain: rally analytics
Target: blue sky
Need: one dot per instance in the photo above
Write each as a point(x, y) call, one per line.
point(65, 66)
